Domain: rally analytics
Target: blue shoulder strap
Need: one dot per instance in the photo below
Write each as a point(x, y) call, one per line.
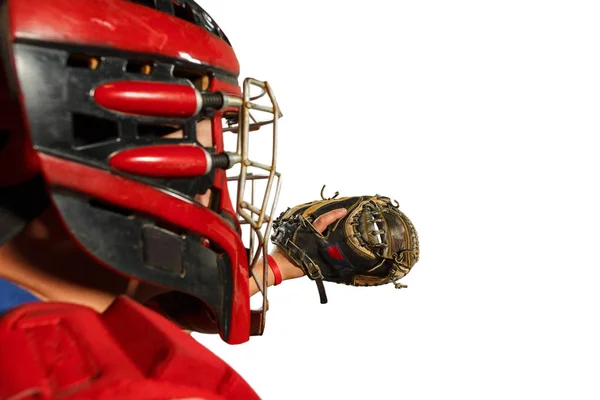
point(12, 295)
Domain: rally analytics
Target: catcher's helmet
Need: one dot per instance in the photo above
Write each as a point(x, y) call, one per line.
point(92, 96)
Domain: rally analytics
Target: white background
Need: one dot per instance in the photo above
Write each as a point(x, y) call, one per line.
point(481, 118)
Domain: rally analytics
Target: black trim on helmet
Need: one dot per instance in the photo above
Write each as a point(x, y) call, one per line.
point(59, 107)
point(187, 10)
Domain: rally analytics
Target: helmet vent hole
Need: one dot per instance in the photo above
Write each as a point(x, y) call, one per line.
point(89, 130)
point(183, 11)
point(199, 79)
point(175, 131)
point(77, 60)
point(140, 67)
point(147, 3)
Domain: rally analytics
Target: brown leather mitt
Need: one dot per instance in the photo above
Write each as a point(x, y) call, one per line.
point(373, 244)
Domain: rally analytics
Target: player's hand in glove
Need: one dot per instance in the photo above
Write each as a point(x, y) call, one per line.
point(359, 241)
point(289, 269)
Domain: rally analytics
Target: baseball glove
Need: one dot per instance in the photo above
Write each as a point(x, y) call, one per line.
point(373, 244)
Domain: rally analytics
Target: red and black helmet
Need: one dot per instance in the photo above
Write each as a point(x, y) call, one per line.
point(91, 93)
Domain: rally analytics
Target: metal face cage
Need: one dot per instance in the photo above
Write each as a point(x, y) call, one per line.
point(258, 181)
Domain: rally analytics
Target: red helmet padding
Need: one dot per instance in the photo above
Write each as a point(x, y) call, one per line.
point(127, 352)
